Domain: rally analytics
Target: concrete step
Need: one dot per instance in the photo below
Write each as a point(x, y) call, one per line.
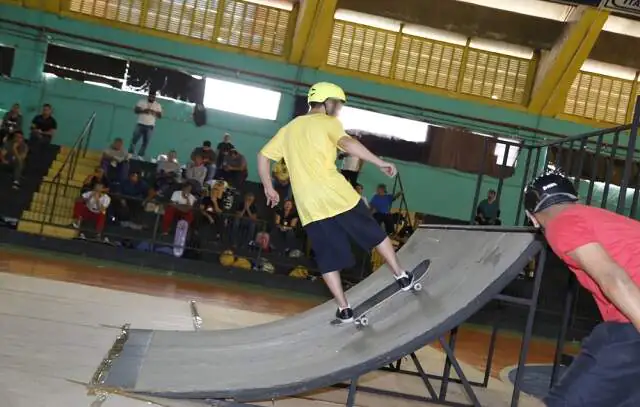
point(90, 154)
point(46, 230)
point(68, 191)
point(59, 201)
point(45, 210)
point(73, 182)
point(81, 165)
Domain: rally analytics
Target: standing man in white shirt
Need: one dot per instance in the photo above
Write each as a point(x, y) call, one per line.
point(93, 206)
point(351, 166)
point(148, 111)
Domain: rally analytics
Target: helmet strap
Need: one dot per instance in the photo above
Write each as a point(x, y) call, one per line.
point(554, 199)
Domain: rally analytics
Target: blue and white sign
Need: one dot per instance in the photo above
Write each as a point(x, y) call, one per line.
point(623, 6)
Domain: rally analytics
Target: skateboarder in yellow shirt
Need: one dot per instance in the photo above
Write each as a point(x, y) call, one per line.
point(330, 210)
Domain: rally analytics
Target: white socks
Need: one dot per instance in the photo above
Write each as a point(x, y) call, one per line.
point(403, 275)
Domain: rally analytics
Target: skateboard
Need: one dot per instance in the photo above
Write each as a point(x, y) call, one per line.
point(361, 311)
point(182, 229)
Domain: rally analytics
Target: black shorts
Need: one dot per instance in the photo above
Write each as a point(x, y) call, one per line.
point(605, 373)
point(330, 237)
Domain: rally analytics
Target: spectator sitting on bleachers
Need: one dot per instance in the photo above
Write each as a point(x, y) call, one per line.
point(181, 206)
point(234, 169)
point(11, 122)
point(283, 236)
point(245, 221)
point(115, 157)
point(488, 211)
point(360, 190)
point(14, 154)
point(381, 204)
point(223, 150)
point(281, 181)
point(210, 213)
point(167, 173)
point(132, 195)
point(43, 126)
point(93, 206)
point(208, 156)
point(98, 177)
point(196, 174)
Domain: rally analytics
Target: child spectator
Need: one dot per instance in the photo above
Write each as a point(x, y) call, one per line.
point(181, 206)
point(93, 206)
point(98, 177)
point(14, 153)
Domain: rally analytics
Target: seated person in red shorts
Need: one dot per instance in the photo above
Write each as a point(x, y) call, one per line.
point(92, 206)
point(181, 206)
point(602, 248)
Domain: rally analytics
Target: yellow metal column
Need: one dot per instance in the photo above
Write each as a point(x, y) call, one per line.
point(558, 69)
point(313, 32)
point(51, 6)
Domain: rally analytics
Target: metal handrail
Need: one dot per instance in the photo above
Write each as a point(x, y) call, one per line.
point(70, 163)
point(78, 144)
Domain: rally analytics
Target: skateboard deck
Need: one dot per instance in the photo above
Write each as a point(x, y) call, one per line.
point(182, 229)
point(361, 311)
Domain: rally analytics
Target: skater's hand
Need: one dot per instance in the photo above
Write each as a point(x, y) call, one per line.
point(273, 198)
point(389, 169)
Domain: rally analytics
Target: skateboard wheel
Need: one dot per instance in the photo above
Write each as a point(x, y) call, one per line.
point(364, 321)
point(417, 286)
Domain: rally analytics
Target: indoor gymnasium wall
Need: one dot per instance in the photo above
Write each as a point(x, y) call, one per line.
point(430, 190)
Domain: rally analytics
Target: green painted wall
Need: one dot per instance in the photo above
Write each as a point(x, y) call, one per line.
point(430, 190)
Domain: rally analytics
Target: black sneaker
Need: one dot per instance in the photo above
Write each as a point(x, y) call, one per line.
point(344, 315)
point(405, 281)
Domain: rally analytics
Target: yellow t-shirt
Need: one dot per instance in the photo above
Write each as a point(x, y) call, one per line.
point(309, 146)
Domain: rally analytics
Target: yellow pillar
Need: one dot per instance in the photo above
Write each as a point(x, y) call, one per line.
point(51, 6)
point(558, 69)
point(313, 32)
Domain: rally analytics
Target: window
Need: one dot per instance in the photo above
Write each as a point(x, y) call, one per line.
point(501, 150)
point(383, 125)
point(6, 60)
point(241, 99)
point(85, 66)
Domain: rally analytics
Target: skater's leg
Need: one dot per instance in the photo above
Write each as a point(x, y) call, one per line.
point(386, 250)
point(334, 282)
point(332, 250)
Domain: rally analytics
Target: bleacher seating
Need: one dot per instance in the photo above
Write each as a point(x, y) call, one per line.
point(13, 202)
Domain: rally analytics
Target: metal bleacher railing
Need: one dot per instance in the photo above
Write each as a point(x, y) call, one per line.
point(605, 168)
point(61, 183)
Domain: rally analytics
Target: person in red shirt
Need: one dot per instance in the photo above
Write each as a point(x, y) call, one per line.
point(602, 249)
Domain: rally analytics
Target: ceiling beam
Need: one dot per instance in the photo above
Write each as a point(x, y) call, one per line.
point(313, 32)
point(559, 67)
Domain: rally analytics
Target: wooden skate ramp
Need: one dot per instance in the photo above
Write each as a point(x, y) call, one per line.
point(469, 265)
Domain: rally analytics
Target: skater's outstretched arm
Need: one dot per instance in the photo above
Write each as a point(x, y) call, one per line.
point(355, 148)
point(614, 282)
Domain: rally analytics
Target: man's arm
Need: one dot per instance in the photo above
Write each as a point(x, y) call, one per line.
point(355, 148)
point(264, 170)
point(611, 278)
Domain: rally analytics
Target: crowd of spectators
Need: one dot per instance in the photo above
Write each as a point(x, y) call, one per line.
point(208, 191)
point(14, 147)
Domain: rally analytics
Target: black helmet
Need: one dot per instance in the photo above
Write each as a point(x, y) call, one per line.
point(547, 190)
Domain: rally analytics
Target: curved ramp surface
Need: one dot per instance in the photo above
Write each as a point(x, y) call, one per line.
point(294, 355)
